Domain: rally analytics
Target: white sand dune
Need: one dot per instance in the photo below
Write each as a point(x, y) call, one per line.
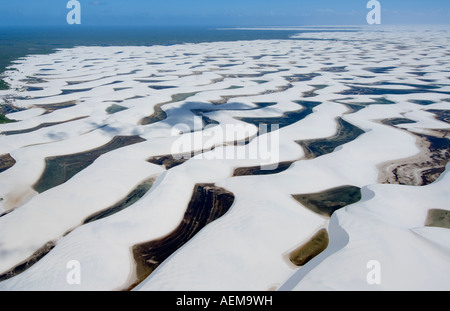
point(386, 226)
point(360, 77)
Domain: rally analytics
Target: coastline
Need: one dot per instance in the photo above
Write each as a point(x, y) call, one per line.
point(102, 157)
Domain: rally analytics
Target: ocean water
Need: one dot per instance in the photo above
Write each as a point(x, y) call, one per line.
point(16, 42)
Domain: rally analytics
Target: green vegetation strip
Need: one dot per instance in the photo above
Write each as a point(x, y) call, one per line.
point(3, 85)
point(4, 119)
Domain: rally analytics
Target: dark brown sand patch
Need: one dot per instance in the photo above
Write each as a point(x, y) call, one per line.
point(421, 169)
point(52, 107)
point(258, 170)
point(325, 203)
point(168, 161)
point(316, 245)
point(6, 162)
point(438, 218)
point(129, 200)
point(38, 255)
point(207, 204)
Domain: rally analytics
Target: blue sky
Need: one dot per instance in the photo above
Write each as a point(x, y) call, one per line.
point(223, 13)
